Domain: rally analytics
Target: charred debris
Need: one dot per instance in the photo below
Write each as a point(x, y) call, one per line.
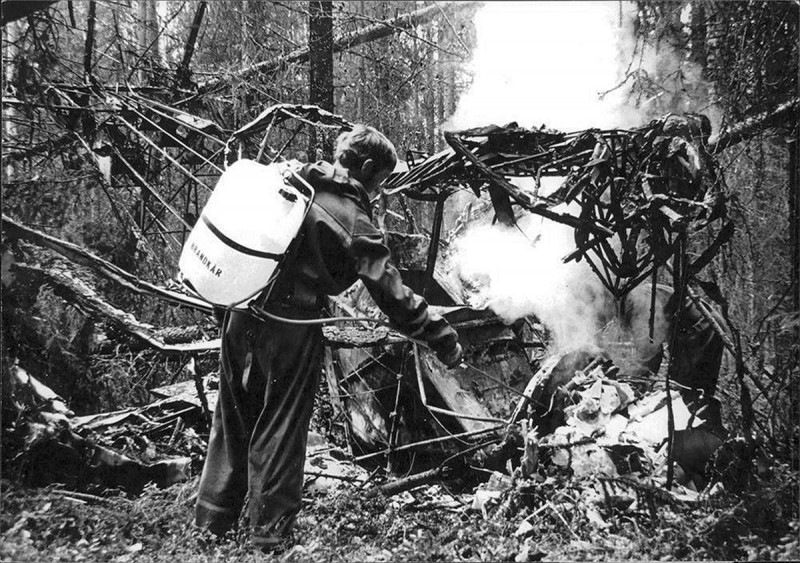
point(518, 412)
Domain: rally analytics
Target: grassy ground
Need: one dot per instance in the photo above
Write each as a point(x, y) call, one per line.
point(348, 524)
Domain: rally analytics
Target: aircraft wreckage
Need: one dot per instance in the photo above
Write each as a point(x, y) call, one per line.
point(517, 405)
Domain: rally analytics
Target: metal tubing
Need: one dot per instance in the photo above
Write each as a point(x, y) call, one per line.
point(433, 441)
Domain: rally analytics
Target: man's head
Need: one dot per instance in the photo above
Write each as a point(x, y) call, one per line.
point(367, 154)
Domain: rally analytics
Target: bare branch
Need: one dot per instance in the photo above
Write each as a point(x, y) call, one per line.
point(359, 37)
point(754, 125)
point(108, 270)
point(182, 73)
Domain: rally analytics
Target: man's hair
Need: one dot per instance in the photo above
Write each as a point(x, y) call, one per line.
point(354, 147)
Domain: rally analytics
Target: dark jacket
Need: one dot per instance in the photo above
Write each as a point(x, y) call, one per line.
point(697, 349)
point(338, 245)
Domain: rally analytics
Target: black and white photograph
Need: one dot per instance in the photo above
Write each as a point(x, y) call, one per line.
point(400, 280)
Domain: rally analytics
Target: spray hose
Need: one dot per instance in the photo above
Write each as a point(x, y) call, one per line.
point(259, 312)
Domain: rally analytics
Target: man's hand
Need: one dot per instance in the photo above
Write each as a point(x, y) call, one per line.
point(452, 357)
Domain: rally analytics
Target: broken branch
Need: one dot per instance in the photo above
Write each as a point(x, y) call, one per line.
point(782, 115)
point(439, 440)
point(103, 267)
point(75, 291)
point(347, 41)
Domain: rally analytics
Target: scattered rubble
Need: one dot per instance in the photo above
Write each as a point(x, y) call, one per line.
point(123, 450)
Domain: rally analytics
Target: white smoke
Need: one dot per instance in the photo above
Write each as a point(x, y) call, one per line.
point(544, 63)
point(565, 64)
point(682, 87)
point(547, 63)
point(518, 272)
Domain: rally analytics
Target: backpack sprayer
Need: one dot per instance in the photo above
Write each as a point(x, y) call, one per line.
point(238, 244)
point(244, 235)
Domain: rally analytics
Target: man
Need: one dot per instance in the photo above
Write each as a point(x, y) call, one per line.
point(270, 369)
point(698, 348)
point(696, 354)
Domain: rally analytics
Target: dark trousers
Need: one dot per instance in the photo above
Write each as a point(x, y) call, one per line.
point(269, 373)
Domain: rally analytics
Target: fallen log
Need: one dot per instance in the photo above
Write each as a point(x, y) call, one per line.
point(782, 115)
point(182, 334)
point(399, 485)
point(108, 270)
point(346, 41)
point(77, 292)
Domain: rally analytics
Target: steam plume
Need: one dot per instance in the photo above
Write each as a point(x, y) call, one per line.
point(545, 63)
point(540, 63)
point(548, 63)
point(520, 272)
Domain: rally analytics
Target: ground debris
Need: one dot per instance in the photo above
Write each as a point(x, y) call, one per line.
point(123, 450)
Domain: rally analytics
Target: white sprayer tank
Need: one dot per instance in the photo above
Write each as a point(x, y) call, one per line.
point(243, 232)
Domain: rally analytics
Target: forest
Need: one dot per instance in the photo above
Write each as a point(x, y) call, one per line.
point(600, 197)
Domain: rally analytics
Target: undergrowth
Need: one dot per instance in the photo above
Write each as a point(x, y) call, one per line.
point(350, 524)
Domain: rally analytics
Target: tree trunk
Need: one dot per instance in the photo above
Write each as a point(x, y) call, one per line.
point(87, 118)
point(346, 41)
point(12, 34)
point(381, 89)
point(147, 36)
point(416, 96)
point(320, 84)
point(794, 217)
point(442, 64)
point(243, 59)
point(183, 73)
point(698, 35)
point(794, 247)
point(361, 102)
point(361, 92)
point(430, 107)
